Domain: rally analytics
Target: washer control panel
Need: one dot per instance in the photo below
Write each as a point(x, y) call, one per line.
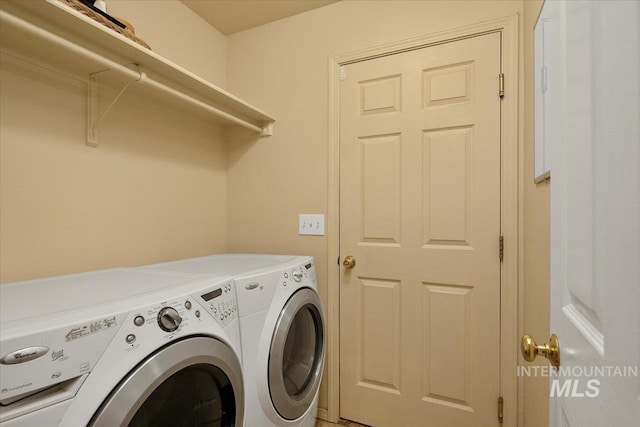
point(220, 302)
point(168, 317)
point(172, 316)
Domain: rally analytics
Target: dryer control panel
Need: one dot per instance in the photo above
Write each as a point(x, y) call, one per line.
point(304, 274)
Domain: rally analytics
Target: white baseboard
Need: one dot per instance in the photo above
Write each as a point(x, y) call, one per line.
point(322, 414)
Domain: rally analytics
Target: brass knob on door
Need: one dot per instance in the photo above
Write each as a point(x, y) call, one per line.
point(551, 351)
point(349, 262)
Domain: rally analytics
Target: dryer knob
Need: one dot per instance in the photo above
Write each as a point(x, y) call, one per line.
point(297, 276)
point(168, 319)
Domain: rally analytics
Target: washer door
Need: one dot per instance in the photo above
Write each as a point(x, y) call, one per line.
point(297, 354)
point(194, 382)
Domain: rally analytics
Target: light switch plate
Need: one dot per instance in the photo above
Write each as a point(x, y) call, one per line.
point(311, 224)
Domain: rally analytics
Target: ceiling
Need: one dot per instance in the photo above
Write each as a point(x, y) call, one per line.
point(232, 16)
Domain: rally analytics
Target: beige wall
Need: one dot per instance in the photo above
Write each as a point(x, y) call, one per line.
point(536, 238)
point(155, 188)
point(282, 67)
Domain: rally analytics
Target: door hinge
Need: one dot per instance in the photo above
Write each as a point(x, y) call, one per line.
point(343, 73)
point(500, 409)
point(501, 248)
point(501, 85)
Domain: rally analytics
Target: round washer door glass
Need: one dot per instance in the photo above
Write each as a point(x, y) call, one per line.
point(194, 382)
point(297, 354)
point(200, 395)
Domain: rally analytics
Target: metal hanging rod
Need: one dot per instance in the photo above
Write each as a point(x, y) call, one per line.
point(138, 76)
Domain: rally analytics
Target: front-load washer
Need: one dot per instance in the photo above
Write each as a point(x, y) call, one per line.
point(120, 347)
point(282, 330)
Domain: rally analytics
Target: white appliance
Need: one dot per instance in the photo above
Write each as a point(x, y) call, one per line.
point(120, 347)
point(282, 330)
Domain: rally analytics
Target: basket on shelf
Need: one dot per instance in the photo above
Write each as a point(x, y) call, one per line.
point(128, 31)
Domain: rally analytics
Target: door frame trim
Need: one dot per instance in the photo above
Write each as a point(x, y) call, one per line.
point(511, 200)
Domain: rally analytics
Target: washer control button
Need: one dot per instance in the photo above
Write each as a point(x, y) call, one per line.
point(187, 305)
point(297, 276)
point(197, 313)
point(130, 339)
point(168, 319)
point(138, 321)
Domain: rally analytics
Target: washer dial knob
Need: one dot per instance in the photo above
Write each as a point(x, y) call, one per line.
point(168, 319)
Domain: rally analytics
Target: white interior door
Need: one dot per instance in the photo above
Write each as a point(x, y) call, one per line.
point(595, 217)
point(420, 214)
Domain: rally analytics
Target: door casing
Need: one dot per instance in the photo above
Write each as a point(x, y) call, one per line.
point(511, 161)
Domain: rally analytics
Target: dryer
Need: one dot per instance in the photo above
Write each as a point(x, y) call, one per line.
point(120, 347)
point(282, 331)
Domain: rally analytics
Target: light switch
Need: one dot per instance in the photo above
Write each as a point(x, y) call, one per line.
point(312, 224)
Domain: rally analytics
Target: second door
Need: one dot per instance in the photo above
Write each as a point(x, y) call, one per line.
point(420, 213)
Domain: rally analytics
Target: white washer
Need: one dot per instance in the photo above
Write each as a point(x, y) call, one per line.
point(120, 347)
point(282, 329)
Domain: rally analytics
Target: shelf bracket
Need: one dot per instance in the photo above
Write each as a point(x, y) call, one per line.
point(267, 130)
point(94, 119)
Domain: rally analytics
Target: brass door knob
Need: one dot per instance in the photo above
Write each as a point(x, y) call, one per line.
point(551, 351)
point(349, 262)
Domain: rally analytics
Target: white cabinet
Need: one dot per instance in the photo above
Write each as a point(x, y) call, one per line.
point(550, 85)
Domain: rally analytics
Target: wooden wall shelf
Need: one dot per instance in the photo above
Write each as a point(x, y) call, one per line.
point(53, 33)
